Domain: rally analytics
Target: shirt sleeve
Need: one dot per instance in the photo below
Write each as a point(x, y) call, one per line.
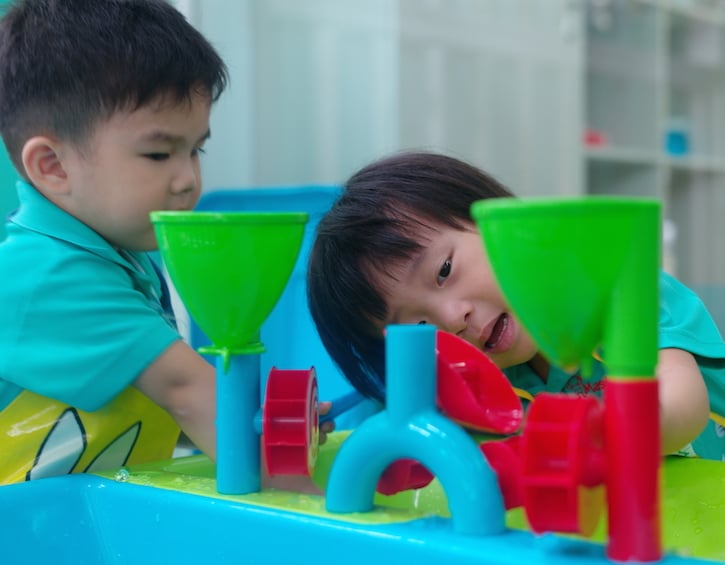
point(684, 321)
point(686, 324)
point(76, 328)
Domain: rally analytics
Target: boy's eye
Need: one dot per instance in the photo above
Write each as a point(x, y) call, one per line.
point(198, 151)
point(157, 156)
point(445, 271)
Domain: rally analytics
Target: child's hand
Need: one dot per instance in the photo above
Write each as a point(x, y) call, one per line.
point(325, 427)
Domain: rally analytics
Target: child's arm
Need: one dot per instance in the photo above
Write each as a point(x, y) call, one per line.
point(183, 384)
point(684, 404)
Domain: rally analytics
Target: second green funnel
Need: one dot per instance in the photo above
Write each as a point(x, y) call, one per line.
point(574, 270)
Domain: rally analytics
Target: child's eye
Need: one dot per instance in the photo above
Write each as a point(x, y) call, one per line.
point(198, 151)
point(445, 271)
point(157, 156)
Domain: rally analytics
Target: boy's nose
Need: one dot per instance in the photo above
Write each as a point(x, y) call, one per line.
point(454, 316)
point(187, 180)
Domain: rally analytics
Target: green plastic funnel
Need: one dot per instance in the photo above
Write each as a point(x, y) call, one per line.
point(579, 273)
point(229, 269)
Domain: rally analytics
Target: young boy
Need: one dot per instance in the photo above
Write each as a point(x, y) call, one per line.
point(104, 110)
point(399, 246)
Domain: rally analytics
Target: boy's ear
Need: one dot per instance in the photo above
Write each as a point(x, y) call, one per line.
point(44, 166)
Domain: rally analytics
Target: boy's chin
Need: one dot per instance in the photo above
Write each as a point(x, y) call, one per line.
point(513, 358)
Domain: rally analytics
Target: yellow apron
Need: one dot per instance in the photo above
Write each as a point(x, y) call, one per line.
point(42, 437)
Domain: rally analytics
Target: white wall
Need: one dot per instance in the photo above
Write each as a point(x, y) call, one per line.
point(230, 155)
point(321, 87)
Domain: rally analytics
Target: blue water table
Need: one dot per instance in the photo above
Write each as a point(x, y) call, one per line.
point(451, 470)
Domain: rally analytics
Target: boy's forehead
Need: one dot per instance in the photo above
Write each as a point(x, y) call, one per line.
point(399, 253)
point(165, 118)
point(386, 277)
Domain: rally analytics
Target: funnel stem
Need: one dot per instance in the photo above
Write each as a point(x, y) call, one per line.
point(633, 469)
point(238, 393)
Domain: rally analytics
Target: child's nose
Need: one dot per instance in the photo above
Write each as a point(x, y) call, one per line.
point(454, 316)
point(187, 180)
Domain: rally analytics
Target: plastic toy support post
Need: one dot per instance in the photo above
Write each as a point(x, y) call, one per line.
point(237, 393)
point(604, 256)
point(631, 411)
point(411, 427)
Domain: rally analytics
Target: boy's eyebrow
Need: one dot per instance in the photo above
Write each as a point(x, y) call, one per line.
point(166, 137)
point(412, 268)
point(417, 262)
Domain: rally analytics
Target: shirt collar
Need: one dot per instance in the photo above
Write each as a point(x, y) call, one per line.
point(38, 214)
point(557, 380)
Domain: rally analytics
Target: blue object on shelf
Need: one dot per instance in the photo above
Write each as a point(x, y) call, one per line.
point(677, 139)
point(289, 334)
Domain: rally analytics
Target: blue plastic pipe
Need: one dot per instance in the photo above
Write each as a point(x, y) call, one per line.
point(237, 446)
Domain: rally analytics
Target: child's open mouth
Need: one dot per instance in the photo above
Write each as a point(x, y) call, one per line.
point(497, 333)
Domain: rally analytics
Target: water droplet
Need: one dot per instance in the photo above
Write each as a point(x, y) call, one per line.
point(122, 476)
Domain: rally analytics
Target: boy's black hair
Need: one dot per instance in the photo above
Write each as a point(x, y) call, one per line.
point(376, 223)
point(66, 64)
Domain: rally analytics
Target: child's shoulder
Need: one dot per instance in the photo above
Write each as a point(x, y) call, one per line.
point(671, 289)
point(685, 322)
point(35, 258)
point(42, 239)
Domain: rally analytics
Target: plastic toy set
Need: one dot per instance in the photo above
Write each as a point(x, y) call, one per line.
point(409, 483)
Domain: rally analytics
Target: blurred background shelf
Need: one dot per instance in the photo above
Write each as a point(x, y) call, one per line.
point(659, 119)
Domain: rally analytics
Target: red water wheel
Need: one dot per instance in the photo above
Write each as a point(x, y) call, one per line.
point(290, 422)
point(562, 463)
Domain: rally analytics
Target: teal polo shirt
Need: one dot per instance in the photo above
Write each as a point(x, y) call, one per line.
point(80, 321)
point(684, 323)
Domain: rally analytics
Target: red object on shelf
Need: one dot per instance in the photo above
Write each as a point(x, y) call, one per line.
point(290, 422)
point(563, 463)
point(472, 391)
point(594, 138)
point(632, 424)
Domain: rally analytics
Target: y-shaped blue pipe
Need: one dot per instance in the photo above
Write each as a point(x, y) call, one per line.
point(411, 427)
